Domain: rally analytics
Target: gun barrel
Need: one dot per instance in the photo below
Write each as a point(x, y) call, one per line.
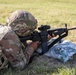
point(72, 28)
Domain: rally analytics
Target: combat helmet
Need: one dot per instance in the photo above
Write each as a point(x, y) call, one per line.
point(22, 22)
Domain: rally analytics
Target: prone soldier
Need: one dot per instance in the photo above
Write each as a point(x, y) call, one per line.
point(20, 23)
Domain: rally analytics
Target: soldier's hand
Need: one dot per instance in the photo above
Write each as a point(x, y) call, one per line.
point(49, 36)
point(34, 45)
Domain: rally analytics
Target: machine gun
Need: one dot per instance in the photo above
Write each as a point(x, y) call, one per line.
point(42, 34)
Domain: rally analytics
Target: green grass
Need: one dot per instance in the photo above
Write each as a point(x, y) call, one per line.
point(52, 12)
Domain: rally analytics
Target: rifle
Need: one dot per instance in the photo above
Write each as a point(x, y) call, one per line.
point(42, 34)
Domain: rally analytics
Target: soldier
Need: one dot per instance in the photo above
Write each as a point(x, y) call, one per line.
point(20, 23)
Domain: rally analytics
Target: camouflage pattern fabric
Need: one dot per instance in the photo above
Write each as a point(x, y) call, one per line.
point(3, 60)
point(11, 48)
point(22, 22)
point(3, 31)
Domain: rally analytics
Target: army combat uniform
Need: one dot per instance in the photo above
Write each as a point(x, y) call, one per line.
point(20, 23)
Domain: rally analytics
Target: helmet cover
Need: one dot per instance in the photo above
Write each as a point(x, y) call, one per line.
point(22, 22)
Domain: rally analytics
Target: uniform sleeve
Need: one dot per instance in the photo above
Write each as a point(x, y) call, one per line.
point(12, 49)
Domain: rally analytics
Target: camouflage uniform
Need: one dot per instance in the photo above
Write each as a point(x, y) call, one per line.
point(20, 23)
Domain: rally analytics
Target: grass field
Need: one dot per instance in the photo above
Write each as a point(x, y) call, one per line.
point(52, 12)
